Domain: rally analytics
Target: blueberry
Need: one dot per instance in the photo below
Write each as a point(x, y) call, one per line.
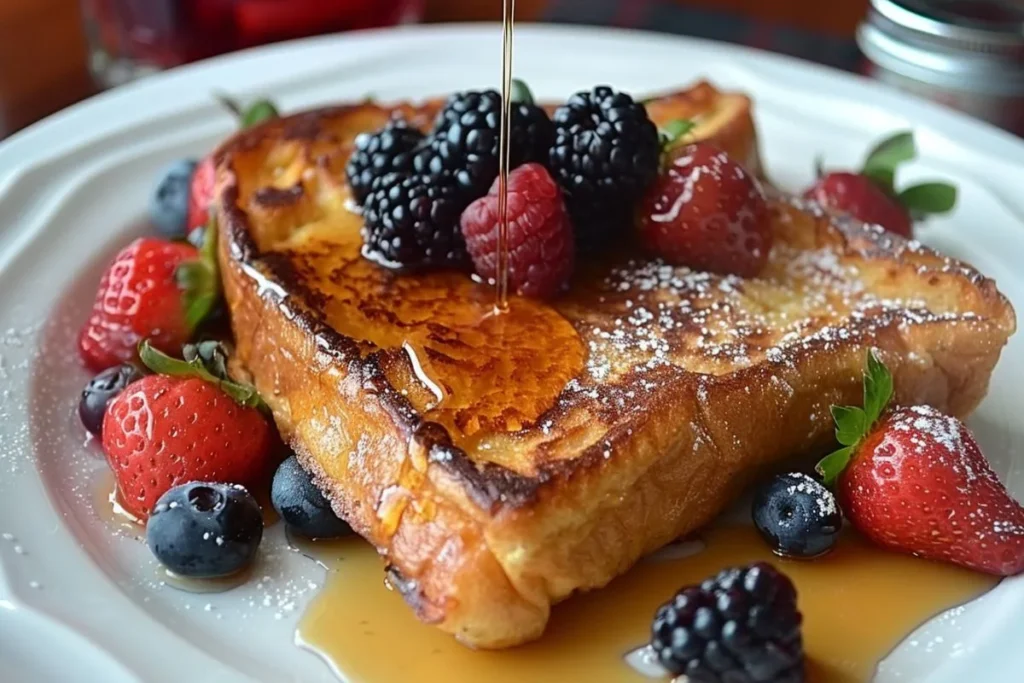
point(301, 504)
point(100, 391)
point(168, 207)
point(202, 530)
point(797, 516)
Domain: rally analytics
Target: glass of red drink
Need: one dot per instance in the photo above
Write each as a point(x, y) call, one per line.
point(130, 38)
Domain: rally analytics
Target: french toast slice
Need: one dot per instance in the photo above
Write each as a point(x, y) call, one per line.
point(501, 463)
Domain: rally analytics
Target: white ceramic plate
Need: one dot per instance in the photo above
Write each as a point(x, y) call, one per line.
point(78, 603)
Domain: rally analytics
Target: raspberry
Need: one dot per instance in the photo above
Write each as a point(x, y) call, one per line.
point(540, 236)
point(707, 212)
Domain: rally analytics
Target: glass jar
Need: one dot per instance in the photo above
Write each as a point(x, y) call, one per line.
point(967, 54)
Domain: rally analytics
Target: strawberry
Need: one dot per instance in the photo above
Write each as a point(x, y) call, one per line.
point(154, 289)
point(860, 197)
point(707, 212)
point(870, 195)
point(205, 177)
point(187, 424)
point(914, 480)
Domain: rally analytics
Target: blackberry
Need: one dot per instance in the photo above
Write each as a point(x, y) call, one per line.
point(741, 626)
point(389, 150)
point(412, 221)
point(605, 154)
point(467, 132)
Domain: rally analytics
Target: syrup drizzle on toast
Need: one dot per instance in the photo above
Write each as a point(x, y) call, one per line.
point(507, 39)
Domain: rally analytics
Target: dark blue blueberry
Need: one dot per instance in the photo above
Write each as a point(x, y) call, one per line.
point(168, 207)
point(202, 530)
point(797, 516)
point(100, 391)
point(301, 504)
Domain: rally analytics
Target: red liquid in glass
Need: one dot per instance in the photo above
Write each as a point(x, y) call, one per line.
point(166, 33)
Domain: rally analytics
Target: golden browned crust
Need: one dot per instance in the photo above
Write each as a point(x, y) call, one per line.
point(686, 383)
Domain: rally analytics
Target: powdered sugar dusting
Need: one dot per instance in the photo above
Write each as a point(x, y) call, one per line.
point(823, 498)
point(657, 320)
point(926, 428)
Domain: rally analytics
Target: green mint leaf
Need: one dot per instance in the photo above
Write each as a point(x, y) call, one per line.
point(819, 167)
point(258, 112)
point(851, 423)
point(877, 388)
point(883, 159)
point(929, 198)
point(520, 92)
point(833, 464)
point(199, 280)
point(673, 131)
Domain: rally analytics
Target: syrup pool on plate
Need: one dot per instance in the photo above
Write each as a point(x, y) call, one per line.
point(367, 633)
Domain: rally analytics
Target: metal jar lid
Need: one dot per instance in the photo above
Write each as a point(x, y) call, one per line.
point(975, 45)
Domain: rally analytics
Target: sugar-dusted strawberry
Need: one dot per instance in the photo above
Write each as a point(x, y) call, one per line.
point(914, 480)
point(205, 176)
point(870, 195)
point(154, 290)
point(186, 424)
point(541, 248)
point(707, 212)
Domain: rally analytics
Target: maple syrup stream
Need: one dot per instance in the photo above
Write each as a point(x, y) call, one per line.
point(504, 141)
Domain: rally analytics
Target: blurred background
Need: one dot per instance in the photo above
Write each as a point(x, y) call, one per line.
point(967, 54)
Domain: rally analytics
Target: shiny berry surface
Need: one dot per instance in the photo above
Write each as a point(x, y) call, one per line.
point(540, 234)
point(797, 516)
point(205, 530)
point(705, 211)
